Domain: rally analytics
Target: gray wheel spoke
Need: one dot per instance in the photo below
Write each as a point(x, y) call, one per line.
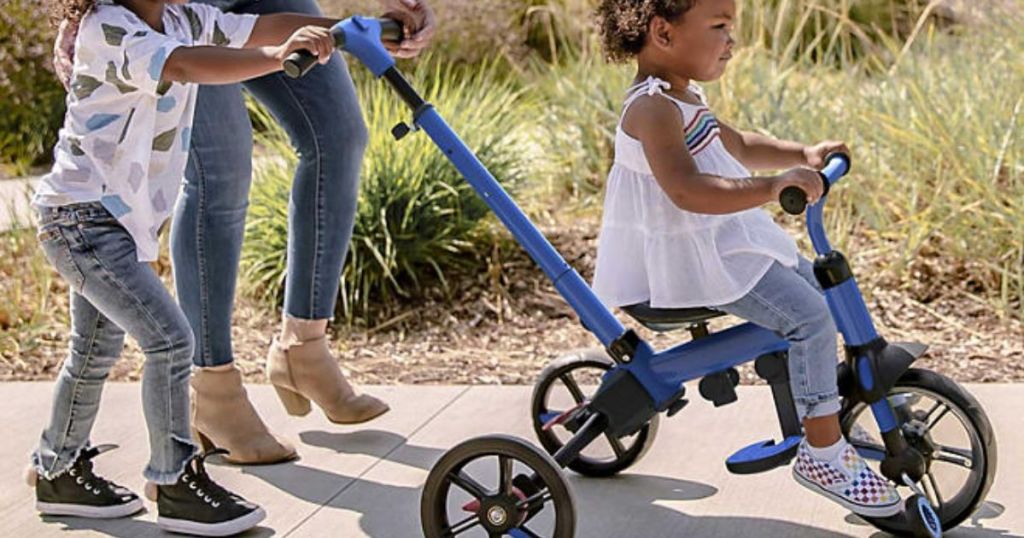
point(956, 456)
point(617, 446)
point(462, 526)
point(936, 496)
point(468, 484)
point(931, 424)
point(574, 388)
point(505, 475)
point(538, 498)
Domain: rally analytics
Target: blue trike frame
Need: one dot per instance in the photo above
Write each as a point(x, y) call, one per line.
point(661, 374)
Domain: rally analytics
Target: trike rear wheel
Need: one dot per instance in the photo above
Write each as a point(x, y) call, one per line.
point(569, 382)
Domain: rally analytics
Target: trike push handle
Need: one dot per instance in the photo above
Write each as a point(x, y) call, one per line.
point(794, 199)
point(300, 62)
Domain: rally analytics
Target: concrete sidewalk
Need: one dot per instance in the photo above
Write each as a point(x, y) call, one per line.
point(366, 481)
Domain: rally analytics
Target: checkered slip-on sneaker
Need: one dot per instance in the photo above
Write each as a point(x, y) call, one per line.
point(848, 481)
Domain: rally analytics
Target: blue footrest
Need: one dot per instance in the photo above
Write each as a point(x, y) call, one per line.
point(763, 456)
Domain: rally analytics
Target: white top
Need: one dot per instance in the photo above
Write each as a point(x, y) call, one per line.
point(126, 134)
point(650, 250)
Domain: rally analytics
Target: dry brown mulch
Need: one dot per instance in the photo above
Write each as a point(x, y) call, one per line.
point(503, 326)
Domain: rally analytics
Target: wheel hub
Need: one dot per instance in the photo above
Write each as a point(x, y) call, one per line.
point(499, 514)
point(917, 435)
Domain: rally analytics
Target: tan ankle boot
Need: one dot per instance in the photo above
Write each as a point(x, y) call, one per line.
point(307, 371)
point(223, 417)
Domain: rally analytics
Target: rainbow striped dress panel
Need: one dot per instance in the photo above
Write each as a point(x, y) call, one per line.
point(701, 130)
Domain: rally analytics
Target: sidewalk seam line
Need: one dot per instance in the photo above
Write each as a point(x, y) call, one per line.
point(357, 478)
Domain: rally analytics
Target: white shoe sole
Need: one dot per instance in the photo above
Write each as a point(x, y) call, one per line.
point(89, 511)
point(226, 528)
point(887, 510)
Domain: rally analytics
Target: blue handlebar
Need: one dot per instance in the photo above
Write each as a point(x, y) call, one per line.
point(837, 166)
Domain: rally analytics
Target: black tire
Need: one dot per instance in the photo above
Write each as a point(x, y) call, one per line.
point(434, 502)
point(625, 456)
point(953, 510)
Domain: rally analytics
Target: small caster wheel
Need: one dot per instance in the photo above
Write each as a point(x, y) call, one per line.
point(502, 486)
point(923, 520)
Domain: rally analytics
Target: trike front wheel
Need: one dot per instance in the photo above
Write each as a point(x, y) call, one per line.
point(949, 427)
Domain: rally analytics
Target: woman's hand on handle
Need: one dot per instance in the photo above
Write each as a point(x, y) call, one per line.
point(815, 155)
point(417, 19)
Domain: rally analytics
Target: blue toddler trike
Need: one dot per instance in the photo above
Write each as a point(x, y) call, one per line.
point(928, 435)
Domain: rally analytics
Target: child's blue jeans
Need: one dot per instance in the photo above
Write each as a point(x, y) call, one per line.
point(790, 302)
point(113, 293)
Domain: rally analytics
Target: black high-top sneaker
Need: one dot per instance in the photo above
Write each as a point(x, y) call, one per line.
point(197, 505)
point(80, 492)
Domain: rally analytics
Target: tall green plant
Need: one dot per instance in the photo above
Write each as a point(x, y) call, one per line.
point(31, 99)
point(838, 33)
point(417, 218)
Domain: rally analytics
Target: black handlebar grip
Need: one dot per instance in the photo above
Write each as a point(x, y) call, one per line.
point(793, 200)
point(391, 30)
point(298, 63)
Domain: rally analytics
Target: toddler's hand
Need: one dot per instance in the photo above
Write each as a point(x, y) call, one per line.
point(815, 155)
point(806, 179)
point(315, 39)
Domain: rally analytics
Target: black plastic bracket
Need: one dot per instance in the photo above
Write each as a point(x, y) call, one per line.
point(774, 368)
point(623, 349)
point(720, 388)
point(832, 269)
point(887, 363)
point(400, 130)
point(676, 403)
point(624, 402)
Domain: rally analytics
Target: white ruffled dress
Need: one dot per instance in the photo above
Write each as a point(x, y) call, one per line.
point(650, 250)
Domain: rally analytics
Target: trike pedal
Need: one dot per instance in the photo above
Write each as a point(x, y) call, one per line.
point(763, 456)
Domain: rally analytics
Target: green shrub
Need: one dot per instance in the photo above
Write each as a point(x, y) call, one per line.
point(417, 218)
point(31, 99)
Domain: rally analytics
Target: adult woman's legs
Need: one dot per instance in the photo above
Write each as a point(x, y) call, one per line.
point(206, 244)
point(320, 113)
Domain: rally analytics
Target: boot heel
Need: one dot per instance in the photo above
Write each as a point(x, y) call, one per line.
point(204, 442)
point(295, 403)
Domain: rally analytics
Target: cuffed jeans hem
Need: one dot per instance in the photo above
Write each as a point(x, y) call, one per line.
point(189, 450)
point(57, 465)
point(823, 406)
point(311, 316)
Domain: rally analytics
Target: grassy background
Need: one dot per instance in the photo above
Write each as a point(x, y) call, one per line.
point(929, 99)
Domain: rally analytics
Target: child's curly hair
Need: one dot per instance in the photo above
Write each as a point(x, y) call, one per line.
point(624, 23)
point(70, 10)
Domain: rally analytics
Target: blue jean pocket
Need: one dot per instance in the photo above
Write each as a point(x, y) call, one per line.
point(58, 252)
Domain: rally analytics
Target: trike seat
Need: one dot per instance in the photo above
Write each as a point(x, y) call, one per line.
point(669, 319)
